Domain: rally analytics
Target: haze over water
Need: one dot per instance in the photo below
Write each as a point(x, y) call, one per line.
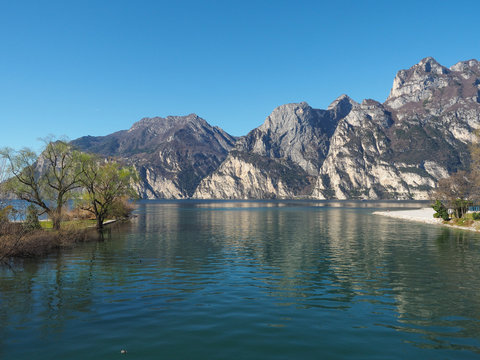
point(251, 280)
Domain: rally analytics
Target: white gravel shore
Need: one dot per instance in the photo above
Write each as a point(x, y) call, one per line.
point(424, 215)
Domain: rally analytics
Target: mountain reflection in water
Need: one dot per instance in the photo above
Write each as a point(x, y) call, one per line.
point(270, 280)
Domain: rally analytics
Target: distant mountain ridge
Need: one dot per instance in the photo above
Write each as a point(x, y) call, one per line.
point(367, 150)
point(172, 154)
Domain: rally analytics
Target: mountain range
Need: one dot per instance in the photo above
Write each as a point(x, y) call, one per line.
point(397, 149)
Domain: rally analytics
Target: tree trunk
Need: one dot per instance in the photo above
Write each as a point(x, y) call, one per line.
point(99, 223)
point(56, 217)
point(56, 221)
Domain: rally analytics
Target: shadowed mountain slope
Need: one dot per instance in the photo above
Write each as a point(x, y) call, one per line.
point(172, 154)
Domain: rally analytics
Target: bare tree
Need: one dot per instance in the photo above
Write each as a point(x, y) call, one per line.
point(4, 207)
point(104, 183)
point(456, 192)
point(3, 178)
point(475, 166)
point(46, 180)
point(11, 233)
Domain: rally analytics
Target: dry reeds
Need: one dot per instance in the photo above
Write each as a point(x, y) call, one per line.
point(16, 242)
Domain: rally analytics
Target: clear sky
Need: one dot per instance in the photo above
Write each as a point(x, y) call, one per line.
point(89, 67)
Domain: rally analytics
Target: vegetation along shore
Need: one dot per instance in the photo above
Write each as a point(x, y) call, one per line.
point(426, 215)
point(79, 193)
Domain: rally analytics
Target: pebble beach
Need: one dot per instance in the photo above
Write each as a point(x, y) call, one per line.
point(424, 215)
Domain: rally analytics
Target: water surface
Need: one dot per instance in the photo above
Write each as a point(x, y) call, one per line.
point(250, 280)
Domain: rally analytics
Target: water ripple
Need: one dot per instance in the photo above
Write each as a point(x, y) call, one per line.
point(270, 280)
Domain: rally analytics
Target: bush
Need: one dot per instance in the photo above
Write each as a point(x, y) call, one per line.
point(31, 221)
point(476, 216)
point(120, 209)
point(440, 211)
point(78, 214)
point(5, 214)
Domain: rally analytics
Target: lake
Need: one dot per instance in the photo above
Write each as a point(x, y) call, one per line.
point(250, 280)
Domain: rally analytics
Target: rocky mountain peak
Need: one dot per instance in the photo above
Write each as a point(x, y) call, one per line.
point(468, 68)
point(430, 65)
point(286, 117)
point(341, 107)
point(370, 104)
point(159, 124)
point(289, 109)
point(425, 82)
point(343, 101)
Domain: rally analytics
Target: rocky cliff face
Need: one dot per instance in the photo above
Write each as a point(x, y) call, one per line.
point(367, 150)
point(398, 149)
point(171, 154)
point(279, 159)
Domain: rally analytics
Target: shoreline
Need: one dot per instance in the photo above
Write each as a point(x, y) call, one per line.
point(423, 215)
point(41, 242)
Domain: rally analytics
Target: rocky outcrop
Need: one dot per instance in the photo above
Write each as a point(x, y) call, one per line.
point(250, 176)
point(237, 179)
point(297, 133)
point(279, 159)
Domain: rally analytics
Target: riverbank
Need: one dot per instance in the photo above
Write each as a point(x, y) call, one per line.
point(425, 215)
point(74, 224)
point(15, 242)
point(36, 243)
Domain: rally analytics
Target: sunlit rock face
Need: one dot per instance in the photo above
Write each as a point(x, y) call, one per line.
point(398, 149)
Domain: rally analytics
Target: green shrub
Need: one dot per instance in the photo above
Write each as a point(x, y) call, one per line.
point(476, 216)
point(121, 209)
point(440, 211)
point(5, 214)
point(31, 221)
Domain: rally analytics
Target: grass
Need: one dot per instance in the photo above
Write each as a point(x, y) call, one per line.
point(463, 222)
point(71, 224)
point(466, 221)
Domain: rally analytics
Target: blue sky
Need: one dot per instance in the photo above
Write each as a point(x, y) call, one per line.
point(80, 68)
